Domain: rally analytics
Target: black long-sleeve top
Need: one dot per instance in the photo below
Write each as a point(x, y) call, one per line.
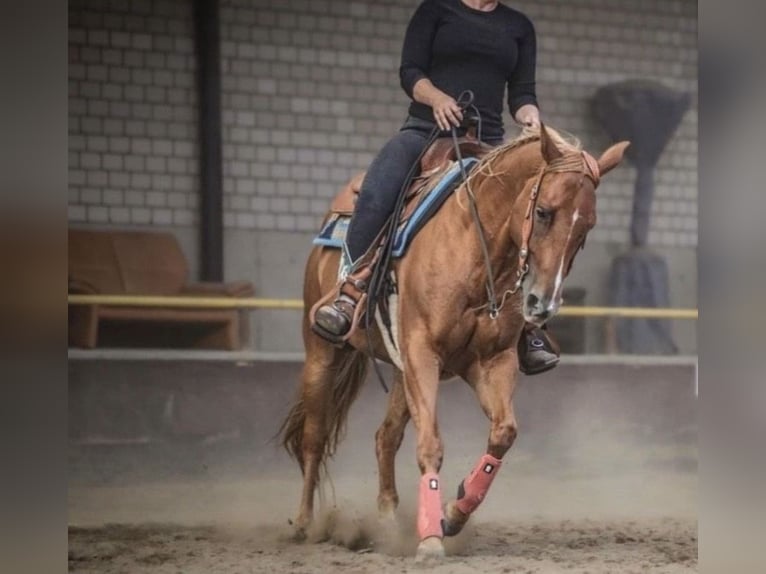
point(460, 48)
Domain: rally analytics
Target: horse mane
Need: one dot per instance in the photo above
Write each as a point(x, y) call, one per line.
point(567, 144)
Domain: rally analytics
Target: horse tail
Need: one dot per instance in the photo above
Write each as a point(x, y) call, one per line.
point(337, 400)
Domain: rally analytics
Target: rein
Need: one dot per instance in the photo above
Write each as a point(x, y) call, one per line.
point(490, 284)
point(378, 279)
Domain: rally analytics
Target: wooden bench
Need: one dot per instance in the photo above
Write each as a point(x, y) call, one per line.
point(146, 263)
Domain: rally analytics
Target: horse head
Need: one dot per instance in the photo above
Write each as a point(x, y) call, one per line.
point(557, 210)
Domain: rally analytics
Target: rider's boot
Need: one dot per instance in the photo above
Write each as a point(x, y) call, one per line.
point(538, 351)
point(334, 321)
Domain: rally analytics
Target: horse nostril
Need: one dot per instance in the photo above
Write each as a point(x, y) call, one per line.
point(532, 300)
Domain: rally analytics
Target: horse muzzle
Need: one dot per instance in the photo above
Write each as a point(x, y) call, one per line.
point(539, 308)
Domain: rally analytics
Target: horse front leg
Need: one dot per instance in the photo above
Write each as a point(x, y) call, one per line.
point(421, 382)
point(388, 439)
point(494, 382)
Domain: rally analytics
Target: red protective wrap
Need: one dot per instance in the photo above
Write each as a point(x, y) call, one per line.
point(430, 506)
point(476, 486)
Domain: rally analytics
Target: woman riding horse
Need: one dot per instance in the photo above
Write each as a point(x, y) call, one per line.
point(450, 46)
point(516, 223)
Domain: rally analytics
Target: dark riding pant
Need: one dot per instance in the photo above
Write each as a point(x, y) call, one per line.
point(384, 180)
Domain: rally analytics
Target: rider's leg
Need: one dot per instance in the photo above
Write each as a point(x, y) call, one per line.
point(376, 201)
point(380, 189)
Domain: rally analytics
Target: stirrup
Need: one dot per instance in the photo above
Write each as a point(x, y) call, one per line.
point(351, 292)
point(327, 336)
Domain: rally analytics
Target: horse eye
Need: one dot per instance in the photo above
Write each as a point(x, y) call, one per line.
point(543, 214)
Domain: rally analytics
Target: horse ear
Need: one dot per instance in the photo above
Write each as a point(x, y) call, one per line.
point(549, 149)
point(612, 157)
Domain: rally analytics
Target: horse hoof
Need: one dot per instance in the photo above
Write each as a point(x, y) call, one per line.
point(300, 530)
point(387, 516)
point(388, 533)
point(453, 521)
point(430, 549)
point(299, 534)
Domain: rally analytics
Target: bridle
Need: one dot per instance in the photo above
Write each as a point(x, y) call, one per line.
point(581, 162)
point(569, 163)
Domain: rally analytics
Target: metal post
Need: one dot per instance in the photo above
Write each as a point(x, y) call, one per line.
point(207, 37)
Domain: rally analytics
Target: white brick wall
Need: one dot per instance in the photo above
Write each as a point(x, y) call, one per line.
point(311, 92)
point(132, 113)
point(586, 44)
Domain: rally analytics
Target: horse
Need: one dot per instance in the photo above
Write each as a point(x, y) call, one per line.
point(535, 202)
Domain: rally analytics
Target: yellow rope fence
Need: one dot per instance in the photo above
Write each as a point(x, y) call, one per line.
point(261, 303)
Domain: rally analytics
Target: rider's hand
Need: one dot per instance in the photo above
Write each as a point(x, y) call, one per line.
point(528, 116)
point(446, 112)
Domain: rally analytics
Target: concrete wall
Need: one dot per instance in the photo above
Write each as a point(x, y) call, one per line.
point(310, 93)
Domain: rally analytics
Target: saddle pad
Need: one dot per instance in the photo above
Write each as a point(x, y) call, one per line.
point(333, 233)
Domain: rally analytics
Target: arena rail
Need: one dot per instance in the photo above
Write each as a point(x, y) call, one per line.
point(263, 303)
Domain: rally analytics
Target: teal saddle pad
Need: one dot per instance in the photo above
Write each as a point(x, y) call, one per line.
point(333, 233)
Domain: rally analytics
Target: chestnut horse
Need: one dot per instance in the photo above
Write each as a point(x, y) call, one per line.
point(535, 201)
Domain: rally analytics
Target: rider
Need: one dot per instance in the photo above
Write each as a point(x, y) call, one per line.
point(450, 46)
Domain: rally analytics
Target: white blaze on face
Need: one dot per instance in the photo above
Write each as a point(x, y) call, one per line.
point(560, 275)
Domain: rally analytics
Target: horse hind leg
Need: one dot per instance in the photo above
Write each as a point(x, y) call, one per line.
point(388, 439)
point(316, 382)
point(329, 383)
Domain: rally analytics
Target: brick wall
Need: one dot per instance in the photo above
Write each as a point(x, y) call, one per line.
point(310, 93)
point(586, 44)
point(319, 81)
point(132, 142)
